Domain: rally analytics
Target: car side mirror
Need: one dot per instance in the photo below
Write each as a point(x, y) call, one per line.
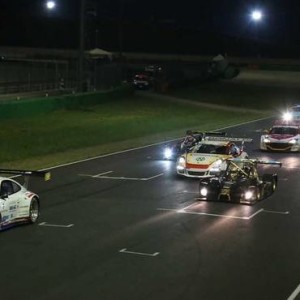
point(266, 131)
point(3, 195)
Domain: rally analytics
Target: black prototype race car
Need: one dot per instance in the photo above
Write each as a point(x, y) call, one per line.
point(240, 182)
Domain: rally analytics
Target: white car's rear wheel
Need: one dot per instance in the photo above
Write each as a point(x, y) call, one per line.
point(34, 210)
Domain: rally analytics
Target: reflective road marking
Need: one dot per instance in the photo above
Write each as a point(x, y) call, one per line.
point(56, 225)
point(184, 211)
point(295, 293)
point(138, 253)
point(100, 176)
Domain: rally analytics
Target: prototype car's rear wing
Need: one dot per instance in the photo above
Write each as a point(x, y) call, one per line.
point(209, 134)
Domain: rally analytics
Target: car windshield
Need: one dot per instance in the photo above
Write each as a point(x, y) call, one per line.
point(284, 130)
point(211, 149)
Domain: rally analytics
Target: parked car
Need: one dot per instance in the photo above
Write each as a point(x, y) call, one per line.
point(141, 82)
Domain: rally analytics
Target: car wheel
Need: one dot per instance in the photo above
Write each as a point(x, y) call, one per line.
point(34, 210)
point(269, 178)
point(257, 194)
point(273, 185)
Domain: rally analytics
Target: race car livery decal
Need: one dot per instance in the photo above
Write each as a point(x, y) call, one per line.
point(196, 166)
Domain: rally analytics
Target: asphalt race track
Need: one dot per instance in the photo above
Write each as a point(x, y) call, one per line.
point(124, 226)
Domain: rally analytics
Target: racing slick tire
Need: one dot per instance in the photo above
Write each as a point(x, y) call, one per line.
point(269, 178)
point(256, 194)
point(34, 210)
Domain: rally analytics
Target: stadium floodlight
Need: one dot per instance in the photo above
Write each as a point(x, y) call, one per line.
point(50, 4)
point(256, 15)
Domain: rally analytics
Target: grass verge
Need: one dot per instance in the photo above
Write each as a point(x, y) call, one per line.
point(65, 136)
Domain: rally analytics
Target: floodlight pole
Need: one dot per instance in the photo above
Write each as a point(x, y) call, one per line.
point(81, 46)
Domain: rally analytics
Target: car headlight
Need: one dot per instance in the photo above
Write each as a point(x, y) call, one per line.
point(203, 191)
point(293, 142)
point(287, 116)
point(168, 153)
point(248, 195)
point(181, 163)
point(266, 140)
point(215, 167)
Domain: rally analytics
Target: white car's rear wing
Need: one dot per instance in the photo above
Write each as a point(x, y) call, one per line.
point(227, 138)
point(26, 174)
point(45, 174)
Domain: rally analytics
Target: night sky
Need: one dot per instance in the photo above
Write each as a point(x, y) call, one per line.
point(159, 26)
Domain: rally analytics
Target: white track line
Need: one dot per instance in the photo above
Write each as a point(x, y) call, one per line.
point(212, 215)
point(295, 293)
point(122, 177)
point(55, 225)
point(138, 253)
point(184, 211)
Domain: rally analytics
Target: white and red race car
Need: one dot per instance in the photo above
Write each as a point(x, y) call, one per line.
point(283, 136)
point(17, 204)
point(207, 157)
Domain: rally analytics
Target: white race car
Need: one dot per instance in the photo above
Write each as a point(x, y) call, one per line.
point(283, 136)
point(207, 157)
point(17, 204)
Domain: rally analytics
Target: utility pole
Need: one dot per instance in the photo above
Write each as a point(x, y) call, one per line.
point(121, 24)
point(81, 46)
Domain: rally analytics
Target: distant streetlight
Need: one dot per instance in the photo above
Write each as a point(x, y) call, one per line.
point(256, 15)
point(50, 5)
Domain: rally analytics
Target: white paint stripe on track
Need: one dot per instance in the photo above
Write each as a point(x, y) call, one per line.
point(277, 212)
point(55, 225)
point(295, 293)
point(143, 147)
point(108, 172)
point(122, 177)
point(138, 253)
point(211, 215)
point(184, 211)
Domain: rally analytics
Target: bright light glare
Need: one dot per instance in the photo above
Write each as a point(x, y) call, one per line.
point(248, 195)
point(203, 192)
point(168, 153)
point(287, 116)
point(256, 15)
point(50, 4)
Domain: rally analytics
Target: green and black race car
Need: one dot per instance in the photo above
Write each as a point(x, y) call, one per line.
point(239, 181)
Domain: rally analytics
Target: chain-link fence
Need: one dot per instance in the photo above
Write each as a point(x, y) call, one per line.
point(25, 75)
